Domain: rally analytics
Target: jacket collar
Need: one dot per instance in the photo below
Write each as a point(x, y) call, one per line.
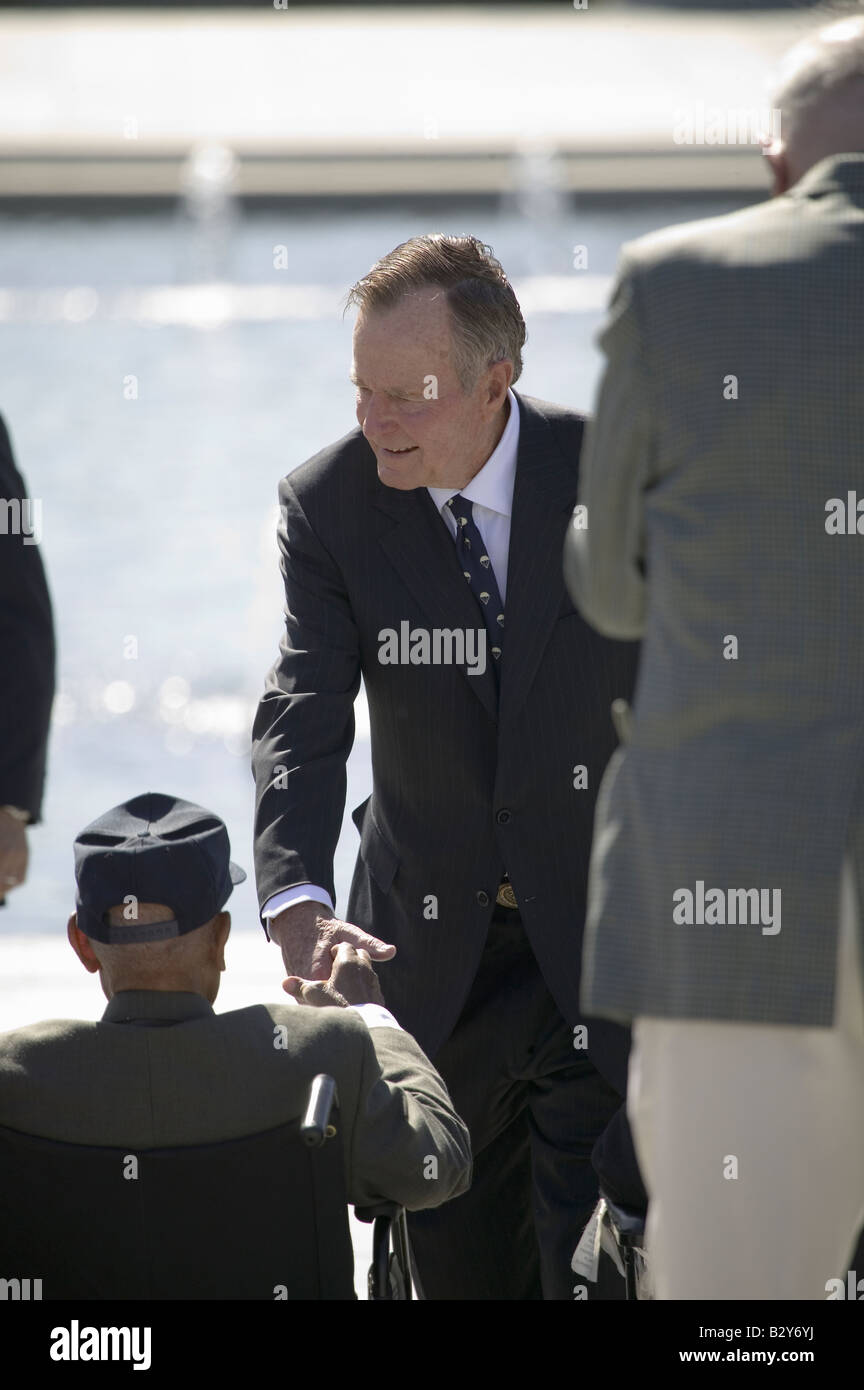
point(157, 1006)
point(837, 173)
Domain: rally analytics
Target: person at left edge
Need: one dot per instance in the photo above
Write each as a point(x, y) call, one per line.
point(27, 681)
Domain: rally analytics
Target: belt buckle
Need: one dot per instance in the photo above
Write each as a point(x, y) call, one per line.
point(505, 896)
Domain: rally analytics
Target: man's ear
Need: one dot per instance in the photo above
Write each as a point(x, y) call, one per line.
point(775, 156)
point(81, 945)
point(223, 929)
point(497, 383)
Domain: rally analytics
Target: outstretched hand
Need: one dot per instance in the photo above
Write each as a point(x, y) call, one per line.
point(352, 981)
point(13, 853)
point(307, 934)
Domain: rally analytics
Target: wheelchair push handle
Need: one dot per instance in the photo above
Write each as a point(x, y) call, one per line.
point(315, 1126)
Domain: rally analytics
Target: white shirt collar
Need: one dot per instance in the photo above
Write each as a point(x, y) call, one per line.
point(492, 486)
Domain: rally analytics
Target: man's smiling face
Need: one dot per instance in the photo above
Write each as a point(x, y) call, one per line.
point(425, 430)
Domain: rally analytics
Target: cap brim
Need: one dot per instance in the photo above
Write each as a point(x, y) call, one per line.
point(238, 875)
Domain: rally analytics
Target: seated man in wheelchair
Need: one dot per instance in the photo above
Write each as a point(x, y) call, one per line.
point(163, 1074)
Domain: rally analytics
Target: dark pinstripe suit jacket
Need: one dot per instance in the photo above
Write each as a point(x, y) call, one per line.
point(464, 785)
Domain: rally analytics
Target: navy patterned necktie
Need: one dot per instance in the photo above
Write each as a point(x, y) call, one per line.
point(477, 569)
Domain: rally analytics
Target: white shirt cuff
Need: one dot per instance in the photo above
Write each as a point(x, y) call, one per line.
point(373, 1015)
point(300, 893)
point(376, 1016)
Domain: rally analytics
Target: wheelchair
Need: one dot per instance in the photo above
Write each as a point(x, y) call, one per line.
point(619, 1231)
point(263, 1216)
point(389, 1277)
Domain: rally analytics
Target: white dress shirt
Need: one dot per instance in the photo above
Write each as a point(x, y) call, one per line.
point(491, 491)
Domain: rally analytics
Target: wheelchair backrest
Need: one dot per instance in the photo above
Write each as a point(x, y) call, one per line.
point(258, 1217)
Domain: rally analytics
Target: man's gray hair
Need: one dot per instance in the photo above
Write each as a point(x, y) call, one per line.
point(487, 323)
point(821, 85)
point(148, 961)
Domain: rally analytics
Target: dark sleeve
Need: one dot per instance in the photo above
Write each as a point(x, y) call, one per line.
point(304, 726)
point(26, 643)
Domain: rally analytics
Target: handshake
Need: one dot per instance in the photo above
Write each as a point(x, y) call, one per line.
point(329, 962)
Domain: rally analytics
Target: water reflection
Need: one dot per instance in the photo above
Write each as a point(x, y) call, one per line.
point(208, 214)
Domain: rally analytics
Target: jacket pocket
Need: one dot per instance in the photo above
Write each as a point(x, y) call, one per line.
point(376, 851)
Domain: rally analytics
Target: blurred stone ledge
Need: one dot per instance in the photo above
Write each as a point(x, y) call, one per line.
point(350, 101)
point(684, 169)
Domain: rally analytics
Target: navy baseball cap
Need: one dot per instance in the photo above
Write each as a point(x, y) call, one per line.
point(153, 849)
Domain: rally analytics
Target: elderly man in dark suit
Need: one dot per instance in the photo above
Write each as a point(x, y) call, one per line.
point(27, 684)
point(721, 515)
point(423, 552)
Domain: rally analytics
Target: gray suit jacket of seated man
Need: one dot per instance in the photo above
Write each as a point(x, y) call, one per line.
point(162, 1069)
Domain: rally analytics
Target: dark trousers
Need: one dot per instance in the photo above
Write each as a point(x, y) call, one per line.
point(535, 1107)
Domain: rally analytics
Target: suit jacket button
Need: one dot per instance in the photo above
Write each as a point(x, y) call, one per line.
point(482, 898)
point(503, 816)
